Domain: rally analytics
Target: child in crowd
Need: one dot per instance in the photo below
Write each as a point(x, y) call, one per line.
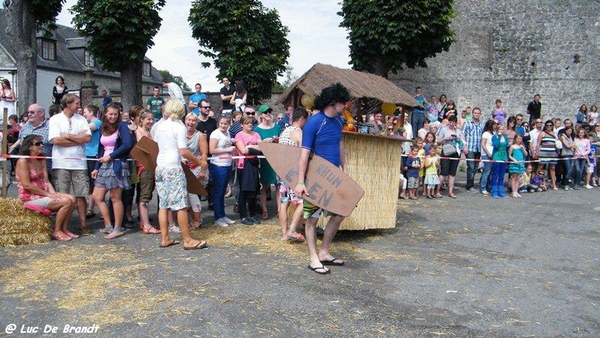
point(516, 153)
point(591, 165)
point(525, 180)
point(411, 166)
point(428, 143)
point(420, 144)
point(432, 165)
point(538, 181)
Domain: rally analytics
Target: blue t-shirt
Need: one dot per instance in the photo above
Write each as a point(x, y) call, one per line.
point(91, 148)
point(196, 99)
point(322, 135)
point(591, 154)
point(413, 172)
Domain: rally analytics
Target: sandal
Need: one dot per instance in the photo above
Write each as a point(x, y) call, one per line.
point(149, 230)
point(85, 231)
point(295, 238)
point(265, 215)
point(117, 232)
point(195, 225)
point(61, 237)
point(107, 229)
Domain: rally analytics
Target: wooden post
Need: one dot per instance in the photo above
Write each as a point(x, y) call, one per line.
point(4, 147)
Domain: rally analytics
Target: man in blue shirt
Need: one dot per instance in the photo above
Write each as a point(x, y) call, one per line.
point(322, 135)
point(105, 99)
point(418, 114)
point(196, 98)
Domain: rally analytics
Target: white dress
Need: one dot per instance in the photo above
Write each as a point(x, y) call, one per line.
point(5, 104)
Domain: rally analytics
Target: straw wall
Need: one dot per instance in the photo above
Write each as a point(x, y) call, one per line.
point(19, 226)
point(374, 163)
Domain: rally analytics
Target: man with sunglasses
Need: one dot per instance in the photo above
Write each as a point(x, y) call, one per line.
point(206, 125)
point(37, 125)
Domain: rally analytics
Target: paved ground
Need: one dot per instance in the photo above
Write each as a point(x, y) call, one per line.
point(468, 267)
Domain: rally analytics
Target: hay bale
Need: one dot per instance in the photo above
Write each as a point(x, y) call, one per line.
point(20, 226)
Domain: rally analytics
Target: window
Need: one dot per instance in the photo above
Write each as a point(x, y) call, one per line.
point(48, 50)
point(146, 69)
point(88, 59)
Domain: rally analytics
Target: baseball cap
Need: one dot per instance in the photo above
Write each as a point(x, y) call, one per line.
point(264, 109)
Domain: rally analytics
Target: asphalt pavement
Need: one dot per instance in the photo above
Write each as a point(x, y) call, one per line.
point(465, 267)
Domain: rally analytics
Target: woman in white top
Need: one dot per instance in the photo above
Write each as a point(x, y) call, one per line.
point(487, 150)
point(8, 98)
point(171, 183)
point(220, 146)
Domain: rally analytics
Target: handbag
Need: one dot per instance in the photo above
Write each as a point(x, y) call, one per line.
point(449, 149)
point(558, 144)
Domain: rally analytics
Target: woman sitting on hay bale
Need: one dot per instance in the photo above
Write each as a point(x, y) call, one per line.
point(37, 192)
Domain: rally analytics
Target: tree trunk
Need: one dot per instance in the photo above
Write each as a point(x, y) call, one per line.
point(379, 68)
point(131, 86)
point(20, 31)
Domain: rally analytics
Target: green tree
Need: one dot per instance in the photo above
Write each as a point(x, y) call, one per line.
point(166, 75)
point(23, 19)
point(387, 35)
point(120, 33)
point(246, 40)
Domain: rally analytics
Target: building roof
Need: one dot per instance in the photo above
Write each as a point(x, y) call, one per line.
point(360, 85)
point(68, 40)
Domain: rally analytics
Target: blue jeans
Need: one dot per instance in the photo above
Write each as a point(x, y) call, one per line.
point(417, 122)
point(472, 167)
point(567, 170)
point(220, 177)
point(579, 170)
point(485, 176)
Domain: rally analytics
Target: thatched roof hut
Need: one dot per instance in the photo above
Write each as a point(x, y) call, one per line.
point(361, 86)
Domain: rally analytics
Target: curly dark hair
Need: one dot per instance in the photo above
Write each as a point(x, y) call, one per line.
point(332, 94)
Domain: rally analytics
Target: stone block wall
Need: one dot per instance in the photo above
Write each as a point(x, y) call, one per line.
point(514, 49)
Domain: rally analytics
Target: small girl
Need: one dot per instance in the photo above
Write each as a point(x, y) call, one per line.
point(591, 165)
point(538, 181)
point(432, 164)
point(525, 180)
point(428, 144)
point(516, 153)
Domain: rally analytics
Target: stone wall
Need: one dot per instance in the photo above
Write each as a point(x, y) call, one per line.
point(514, 49)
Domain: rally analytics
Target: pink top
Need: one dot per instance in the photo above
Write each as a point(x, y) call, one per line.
point(583, 147)
point(37, 179)
point(109, 142)
point(246, 141)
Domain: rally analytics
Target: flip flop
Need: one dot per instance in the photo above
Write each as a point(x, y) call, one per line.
point(333, 261)
point(170, 244)
point(322, 267)
point(200, 245)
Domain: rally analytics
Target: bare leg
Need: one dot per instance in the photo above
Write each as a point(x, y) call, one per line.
point(64, 208)
point(450, 185)
point(184, 225)
point(311, 240)
point(117, 203)
point(98, 196)
point(143, 211)
point(330, 230)
point(552, 170)
point(163, 221)
point(295, 220)
point(282, 213)
point(263, 197)
point(81, 210)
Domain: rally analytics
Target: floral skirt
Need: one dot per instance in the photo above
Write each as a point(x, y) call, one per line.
point(171, 187)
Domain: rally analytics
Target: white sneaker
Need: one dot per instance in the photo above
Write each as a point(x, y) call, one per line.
point(221, 223)
point(589, 187)
point(228, 220)
point(174, 228)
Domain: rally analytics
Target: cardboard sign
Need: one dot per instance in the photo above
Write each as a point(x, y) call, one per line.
point(328, 186)
point(146, 151)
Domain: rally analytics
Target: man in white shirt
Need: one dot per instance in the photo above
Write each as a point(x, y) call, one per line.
point(69, 132)
point(174, 91)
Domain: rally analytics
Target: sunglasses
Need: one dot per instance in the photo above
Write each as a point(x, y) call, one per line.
point(37, 144)
point(250, 113)
point(205, 107)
